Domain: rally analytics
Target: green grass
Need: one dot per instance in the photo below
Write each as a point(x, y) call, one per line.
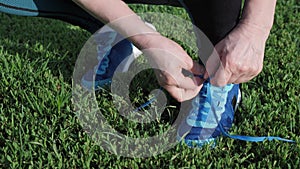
point(39, 129)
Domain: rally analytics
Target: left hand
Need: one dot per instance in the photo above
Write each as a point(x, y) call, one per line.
point(241, 55)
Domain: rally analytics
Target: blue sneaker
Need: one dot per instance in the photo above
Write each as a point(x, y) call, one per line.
point(111, 52)
point(211, 112)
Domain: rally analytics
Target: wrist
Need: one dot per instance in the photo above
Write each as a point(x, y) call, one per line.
point(145, 40)
point(263, 27)
point(259, 14)
point(254, 30)
point(139, 32)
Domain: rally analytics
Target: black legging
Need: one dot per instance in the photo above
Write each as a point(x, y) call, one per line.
point(215, 18)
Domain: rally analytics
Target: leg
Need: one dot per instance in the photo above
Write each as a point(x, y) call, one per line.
point(65, 10)
point(216, 18)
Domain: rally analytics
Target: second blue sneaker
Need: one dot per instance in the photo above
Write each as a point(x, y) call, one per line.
point(211, 112)
point(112, 51)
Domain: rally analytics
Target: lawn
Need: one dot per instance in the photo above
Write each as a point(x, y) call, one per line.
point(39, 127)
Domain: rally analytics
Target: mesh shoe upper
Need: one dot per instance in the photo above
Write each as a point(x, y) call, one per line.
point(112, 50)
point(210, 110)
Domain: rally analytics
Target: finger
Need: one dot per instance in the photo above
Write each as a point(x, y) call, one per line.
point(213, 63)
point(242, 79)
point(221, 77)
point(193, 66)
point(178, 79)
point(191, 77)
point(234, 79)
point(194, 70)
point(197, 69)
point(185, 78)
point(200, 80)
point(206, 76)
point(200, 73)
point(190, 82)
point(180, 94)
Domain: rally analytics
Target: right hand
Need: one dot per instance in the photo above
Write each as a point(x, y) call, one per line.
point(169, 60)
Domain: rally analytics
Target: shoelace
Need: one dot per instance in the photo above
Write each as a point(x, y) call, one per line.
point(254, 138)
point(237, 137)
point(149, 102)
point(218, 101)
point(202, 103)
point(241, 137)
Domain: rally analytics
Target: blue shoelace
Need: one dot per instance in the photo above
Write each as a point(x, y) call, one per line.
point(244, 138)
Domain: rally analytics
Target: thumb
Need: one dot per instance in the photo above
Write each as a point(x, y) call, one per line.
point(188, 62)
point(221, 77)
point(196, 71)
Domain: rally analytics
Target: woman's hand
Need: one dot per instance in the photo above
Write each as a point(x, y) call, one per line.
point(241, 55)
point(175, 69)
